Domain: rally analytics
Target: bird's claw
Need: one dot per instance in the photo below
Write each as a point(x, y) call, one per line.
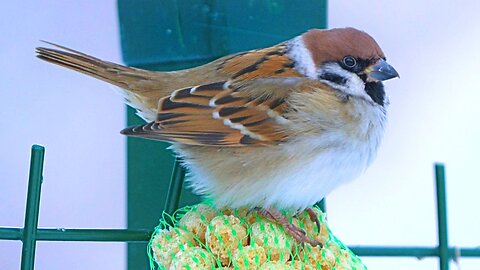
point(314, 217)
point(297, 233)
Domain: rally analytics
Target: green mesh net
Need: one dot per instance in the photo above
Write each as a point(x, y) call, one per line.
point(203, 237)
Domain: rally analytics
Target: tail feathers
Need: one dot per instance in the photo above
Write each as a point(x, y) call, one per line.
point(141, 88)
point(112, 73)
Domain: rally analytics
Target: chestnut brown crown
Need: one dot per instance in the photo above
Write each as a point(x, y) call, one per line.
point(334, 44)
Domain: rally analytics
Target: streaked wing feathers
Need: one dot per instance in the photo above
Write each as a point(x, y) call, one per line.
point(271, 62)
point(216, 114)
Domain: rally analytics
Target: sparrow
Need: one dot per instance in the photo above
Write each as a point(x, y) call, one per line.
point(273, 129)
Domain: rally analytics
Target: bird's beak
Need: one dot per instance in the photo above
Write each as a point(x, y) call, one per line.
point(381, 71)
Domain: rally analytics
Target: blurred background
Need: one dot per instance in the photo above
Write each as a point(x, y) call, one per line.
point(433, 117)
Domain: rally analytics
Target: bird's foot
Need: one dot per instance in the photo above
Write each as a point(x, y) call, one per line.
point(314, 217)
point(297, 233)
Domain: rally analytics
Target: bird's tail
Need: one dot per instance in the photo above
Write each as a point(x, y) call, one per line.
point(112, 73)
point(142, 88)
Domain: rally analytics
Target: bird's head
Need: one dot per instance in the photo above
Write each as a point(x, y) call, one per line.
point(346, 59)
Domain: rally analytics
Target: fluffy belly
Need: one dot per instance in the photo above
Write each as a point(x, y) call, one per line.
point(285, 177)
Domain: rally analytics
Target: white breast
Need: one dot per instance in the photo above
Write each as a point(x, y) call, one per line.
point(320, 171)
point(290, 176)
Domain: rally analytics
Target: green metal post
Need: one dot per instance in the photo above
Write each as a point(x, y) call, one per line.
point(175, 188)
point(178, 34)
point(88, 235)
point(11, 233)
point(30, 233)
point(98, 235)
point(323, 205)
point(33, 205)
point(394, 251)
point(442, 216)
point(405, 251)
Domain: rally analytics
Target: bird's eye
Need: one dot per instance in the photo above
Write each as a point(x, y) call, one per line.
point(349, 61)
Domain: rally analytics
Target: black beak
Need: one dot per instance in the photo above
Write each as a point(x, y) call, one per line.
point(381, 71)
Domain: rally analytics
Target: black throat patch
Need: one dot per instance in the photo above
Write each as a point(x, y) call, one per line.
point(376, 91)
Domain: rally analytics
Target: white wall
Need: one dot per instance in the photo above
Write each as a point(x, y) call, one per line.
point(76, 118)
point(433, 117)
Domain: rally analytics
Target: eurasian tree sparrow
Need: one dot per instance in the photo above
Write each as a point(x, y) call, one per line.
point(274, 128)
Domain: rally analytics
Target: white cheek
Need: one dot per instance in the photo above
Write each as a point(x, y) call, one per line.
point(354, 85)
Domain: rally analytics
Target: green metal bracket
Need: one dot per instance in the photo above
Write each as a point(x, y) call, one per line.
point(175, 188)
point(30, 234)
point(443, 250)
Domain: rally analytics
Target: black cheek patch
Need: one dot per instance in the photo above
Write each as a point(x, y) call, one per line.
point(334, 78)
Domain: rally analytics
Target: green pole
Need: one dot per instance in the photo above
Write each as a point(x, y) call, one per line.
point(97, 235)
point(442, 216)
point(175, 188)
point(33, 204)
point(323, 205)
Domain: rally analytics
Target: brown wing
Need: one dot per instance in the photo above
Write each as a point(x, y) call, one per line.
point(245, 109)
point(216, 114)
point(271, 62)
